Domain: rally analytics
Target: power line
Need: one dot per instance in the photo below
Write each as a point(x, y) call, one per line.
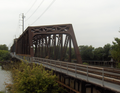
point(31, 7)
point(35, 10)
point(44, 11)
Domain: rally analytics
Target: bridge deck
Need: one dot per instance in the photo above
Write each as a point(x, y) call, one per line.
point(94, 75)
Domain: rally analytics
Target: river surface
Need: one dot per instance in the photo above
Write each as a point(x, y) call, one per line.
point(5, 77)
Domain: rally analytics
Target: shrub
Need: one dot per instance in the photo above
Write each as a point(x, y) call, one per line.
point(33, 79)
point(4, 55)
point(85, 63)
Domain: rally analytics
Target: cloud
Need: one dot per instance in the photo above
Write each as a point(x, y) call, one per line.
point(95, 22)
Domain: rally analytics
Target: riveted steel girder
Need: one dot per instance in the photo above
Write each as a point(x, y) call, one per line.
point(52, 41)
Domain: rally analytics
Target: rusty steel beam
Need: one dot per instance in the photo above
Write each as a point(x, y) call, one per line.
point(53, 42)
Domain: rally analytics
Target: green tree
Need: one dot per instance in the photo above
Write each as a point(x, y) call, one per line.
point(34, 79)
point(106, 54)
point(115, 52)
point(99, 53)
point(4, 55)
point(73, 56)
point(3, 47)
point(86, 52)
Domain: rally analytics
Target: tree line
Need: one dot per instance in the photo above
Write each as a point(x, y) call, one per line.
point(91, 53)
point(104, 53)
point(4, 53)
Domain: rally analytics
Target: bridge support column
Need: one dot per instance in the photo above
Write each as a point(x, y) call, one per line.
point(76, 85)
point(67, 82)
point(111, 65)
point(83, 88)
point(89, 88)
point(72, 83)
point(62, 79)
point(59, 77)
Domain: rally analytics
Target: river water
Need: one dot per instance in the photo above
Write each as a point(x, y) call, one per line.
point(5, 77)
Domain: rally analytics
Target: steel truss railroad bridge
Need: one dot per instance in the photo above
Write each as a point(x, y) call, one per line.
point(53, 47)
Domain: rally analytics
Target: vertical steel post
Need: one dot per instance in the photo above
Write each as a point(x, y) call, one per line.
point(55, 46)
point(50, 64)
point(67, 68)
point(60, 66)
point(49, 46)
point(45, 45)
point(42, 47)
point(103, 76)
point(55, 65)
point(87, 73)
point(61, 42)
point(75, 71)
point(39, 47)
point(69, 49)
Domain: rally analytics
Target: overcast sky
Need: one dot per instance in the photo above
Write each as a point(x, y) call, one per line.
point(95, 22)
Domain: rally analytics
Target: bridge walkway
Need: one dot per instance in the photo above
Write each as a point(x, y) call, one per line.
point(95, 75)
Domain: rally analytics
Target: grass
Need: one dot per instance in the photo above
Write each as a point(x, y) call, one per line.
point(85, 63)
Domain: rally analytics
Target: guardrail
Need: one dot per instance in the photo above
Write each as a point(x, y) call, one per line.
point(89, 71)
point(23, 57)
point(111, 64)
point(103, 74)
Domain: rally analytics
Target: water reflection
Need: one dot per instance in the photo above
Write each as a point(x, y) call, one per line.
point(5, 77)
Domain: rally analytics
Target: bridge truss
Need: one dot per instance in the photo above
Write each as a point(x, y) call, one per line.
point(53, 42)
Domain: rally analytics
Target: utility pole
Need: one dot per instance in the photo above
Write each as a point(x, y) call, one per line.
point(23, 22)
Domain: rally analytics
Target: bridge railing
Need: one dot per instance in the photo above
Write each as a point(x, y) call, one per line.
point(101, 63)
point(98, 73)
point(103, 74)
point(26, 58)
